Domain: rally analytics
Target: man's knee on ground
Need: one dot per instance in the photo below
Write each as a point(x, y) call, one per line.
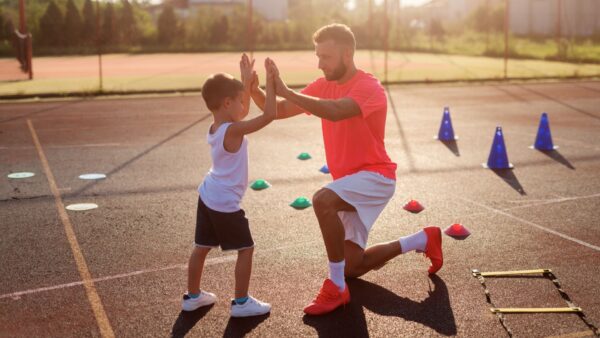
point(351, 271)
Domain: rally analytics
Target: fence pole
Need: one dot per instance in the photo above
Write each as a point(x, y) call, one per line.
point(250, 46)
point(385, 41)
point(506, 22)
point(558, 28)
point(23, 31)
point(99, 45)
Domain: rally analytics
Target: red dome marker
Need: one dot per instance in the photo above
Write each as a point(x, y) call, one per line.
point(457, 231)
point(413, 206)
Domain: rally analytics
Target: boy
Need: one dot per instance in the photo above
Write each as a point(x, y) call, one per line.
point(220, 221)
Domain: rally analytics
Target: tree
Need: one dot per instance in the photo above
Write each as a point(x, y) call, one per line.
point(127, 25)
point(88, 30)
point(73, 25)
point(219, 31)
point(51, 26)
point(109, 25)
point(167, 26)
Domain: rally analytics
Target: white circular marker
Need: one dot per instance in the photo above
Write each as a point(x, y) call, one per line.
point(82, 206)
point(92, 176)
point(21, 175)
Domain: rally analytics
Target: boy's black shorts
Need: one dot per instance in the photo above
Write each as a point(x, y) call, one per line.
point(230, 230)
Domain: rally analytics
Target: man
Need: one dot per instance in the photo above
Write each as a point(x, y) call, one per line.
point(352, 106)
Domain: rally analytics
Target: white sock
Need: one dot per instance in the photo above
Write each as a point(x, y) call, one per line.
point(336, 274)
point(416, 241)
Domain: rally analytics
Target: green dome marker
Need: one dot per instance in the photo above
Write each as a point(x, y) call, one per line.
point(260, 185)
point(304, 156)
point(300, 203)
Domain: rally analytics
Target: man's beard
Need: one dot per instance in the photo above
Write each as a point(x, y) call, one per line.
point(337, 73)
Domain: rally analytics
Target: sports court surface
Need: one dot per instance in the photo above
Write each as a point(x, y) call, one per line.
point(121, 268)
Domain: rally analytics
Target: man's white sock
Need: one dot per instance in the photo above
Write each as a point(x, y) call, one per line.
point(416, 241)
point(336, 274)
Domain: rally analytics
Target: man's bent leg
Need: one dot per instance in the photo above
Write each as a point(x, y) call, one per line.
point(359, 261)
point(326, 204)
point(334, 292)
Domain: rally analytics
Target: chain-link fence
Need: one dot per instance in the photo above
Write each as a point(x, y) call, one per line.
point(84, 45)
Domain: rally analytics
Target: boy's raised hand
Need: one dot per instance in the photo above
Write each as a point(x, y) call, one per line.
point(249, 76)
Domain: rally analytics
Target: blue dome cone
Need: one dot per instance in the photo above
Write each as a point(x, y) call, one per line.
point(324, 169)
point(498, 158)
point(543, 140)
point(446, 132)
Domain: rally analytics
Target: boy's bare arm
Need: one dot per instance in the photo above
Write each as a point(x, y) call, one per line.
point(248, 75)
point(241, 128)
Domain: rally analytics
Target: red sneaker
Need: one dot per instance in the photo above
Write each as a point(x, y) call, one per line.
point(434, 248)
point(328, 299)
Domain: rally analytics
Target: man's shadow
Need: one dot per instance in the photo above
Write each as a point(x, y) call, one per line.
point(236, 327)
point(349, 321)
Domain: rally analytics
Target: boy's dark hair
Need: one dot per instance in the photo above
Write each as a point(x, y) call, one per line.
point(218, 87)
point(339, 33)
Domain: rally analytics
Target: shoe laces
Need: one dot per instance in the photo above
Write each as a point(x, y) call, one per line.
point(325, 296)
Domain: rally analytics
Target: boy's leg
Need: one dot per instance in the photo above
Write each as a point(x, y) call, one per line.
point(195, 267)
point(243, 269)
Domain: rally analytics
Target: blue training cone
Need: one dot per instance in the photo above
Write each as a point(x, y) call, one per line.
point(543, 140)
point(498, 158)
point(324, 169)
point(446, 132)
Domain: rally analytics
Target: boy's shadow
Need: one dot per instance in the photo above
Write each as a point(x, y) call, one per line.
point(240, 327)
point(187, 320)
point(236, 327)
point(434, 312)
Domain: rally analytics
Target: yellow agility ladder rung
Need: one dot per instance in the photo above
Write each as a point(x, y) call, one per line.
point(537, 310)
point(510, 273)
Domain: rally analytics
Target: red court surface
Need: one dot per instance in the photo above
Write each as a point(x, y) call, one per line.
point(121, 268)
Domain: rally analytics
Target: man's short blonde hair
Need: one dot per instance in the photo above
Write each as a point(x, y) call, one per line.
point(339, 33)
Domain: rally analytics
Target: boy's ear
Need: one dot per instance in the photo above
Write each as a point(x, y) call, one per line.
point(226, 102)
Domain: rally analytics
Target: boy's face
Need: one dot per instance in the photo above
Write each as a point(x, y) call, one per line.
point(235, 107)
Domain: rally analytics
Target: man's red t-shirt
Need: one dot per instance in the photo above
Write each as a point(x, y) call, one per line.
point(357, 143)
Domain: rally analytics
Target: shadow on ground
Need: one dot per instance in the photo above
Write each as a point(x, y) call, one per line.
point(187, 320)
point(434, 312)
point(509, 177)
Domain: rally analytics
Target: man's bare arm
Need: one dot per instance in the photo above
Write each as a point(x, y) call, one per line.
point(332, 110)
point(285, 108)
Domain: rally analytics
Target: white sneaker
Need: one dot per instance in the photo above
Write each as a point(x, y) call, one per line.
point(190, 304)
point(252, 307)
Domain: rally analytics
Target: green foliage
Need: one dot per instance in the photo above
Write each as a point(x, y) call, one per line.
point(73, 25)
point(88, 29)
point(167, 26)
point(109, 30)
point(128, 29)
point(51, 24)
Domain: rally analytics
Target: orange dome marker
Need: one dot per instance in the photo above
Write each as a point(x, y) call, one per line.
point(457, 231)
point(413, 206)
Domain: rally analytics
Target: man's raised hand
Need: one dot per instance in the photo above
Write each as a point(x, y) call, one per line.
point(281, 89)
point(249, 77)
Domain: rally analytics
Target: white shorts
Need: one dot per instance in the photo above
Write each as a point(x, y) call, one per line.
point(368, 192)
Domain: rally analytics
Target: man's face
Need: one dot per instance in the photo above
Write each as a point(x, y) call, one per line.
point(331, 59)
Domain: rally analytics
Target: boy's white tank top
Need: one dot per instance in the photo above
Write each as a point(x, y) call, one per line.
point(227, 180)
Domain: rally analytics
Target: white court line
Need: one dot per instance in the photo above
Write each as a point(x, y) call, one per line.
point(553, 232)
point(90, 145)
point(211, 261)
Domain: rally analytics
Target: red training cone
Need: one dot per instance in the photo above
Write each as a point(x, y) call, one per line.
point(457, 231)
point(413, 206)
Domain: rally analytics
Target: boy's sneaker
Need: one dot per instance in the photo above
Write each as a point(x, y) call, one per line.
point(190, 304)
point(434, 248)
point(328, 299)
point(252, 307)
